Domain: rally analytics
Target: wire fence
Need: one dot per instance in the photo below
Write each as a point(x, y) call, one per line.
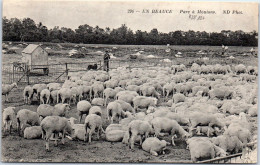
point(17, 72)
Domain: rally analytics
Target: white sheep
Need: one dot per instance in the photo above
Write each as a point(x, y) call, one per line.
point(93, 122)
point(114, 109)
point(8, 118)
point(135, 128)
point(114, 133)
point(109, 93)
point(126, 106)
point(55, 124)
point(178, 97)
point(26, 117)
point(28, 94)
point(164, 124)
point(61, 109)
point(53, 86)
point(53, 96)
point(98, 102)
point(95, 110)
point(79, 129)
point(253, 111)
point(148, 90)
point(45, 94)
point(144, 102)
point(65, 94)
point(240, 69)
point(126, 96)
point(45, 110)
point(97, 88)
point(228, 143)
point(153, 145)
point(34, 132)
point(83, 108)
point(6, 89)
point(37, 88)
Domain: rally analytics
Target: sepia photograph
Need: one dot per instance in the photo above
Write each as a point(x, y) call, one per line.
point(129, 81)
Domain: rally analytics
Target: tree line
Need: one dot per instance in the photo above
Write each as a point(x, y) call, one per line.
point(26, 30)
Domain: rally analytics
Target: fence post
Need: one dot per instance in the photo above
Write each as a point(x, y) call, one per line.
point(13, 75)
point(27, 74)
point(67, 71)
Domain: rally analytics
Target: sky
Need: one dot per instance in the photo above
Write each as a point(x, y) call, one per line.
point(113, 14)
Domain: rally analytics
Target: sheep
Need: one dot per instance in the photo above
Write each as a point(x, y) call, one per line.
point(135, 128)
point(243, 134)
point(34, 132)
point(195, 89)
point(93, 122)
point(201, 149)
point(178, 97)
point(228, 143)
point(114, 109)
point(167, 125)
point(77, 92)
point(114, 133)
point(6, 89)
point(221, 93)
point(240, 69)
point(108, 93)
point(97, 88)
point(65, 94)
point(95, 110)
point(126, 106)
point(53, 86)
point(144, 102)
point(153, 145)
point(26, 117)
point(202, 119)
point(253, 111)
point(133, 88)
point(126, 96)
point(53, 96)
point(206, 130)
point(37, 88)
point(28, 94)
point(111, 83)
point(45, 110)
point(61, 109)
point(168, 88)
point(55, 124)
point(98, 102)
point(8, 118)
point(149, 91)
point(79, 129)
point(45, 93)
point(83, 108)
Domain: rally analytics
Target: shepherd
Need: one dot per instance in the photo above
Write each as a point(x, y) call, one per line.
point(106, 61)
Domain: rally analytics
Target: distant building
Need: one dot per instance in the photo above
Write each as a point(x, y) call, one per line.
point(34, 55)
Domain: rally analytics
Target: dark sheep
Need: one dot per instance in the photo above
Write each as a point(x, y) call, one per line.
point(93, 67)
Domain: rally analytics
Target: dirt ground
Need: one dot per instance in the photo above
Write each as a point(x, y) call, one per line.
point(18, 149)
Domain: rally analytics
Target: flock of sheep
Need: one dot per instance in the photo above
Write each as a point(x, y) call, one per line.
point(207, 106)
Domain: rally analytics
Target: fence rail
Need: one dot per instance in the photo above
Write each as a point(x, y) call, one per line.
point(227, 159)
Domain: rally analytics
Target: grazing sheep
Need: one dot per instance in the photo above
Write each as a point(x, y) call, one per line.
point(144, 102)
point(55, 124)
point(205, 90)
point(206, 130)
point(126, 96)
point(201, 149)
point(45, 110)
point(83, 108)
point(135, 128)
point(243, 134)
point(114, 109)
point(149, 91)
point(202, 119)
point(98, 102)
point(93, 122)
point(28, 94)
point(240, 69)
point(8, 118)
point(26, 117)
point(126, 106)
point(178, 98)
point(164, 124)
point(6, 89)
point(95, 110)
point(97, 88)
point(153, 145)
point(109, 93)
point(34, 132)
point(221, 93)
point(228, 143)
point(61, 109)
point(45, 93)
